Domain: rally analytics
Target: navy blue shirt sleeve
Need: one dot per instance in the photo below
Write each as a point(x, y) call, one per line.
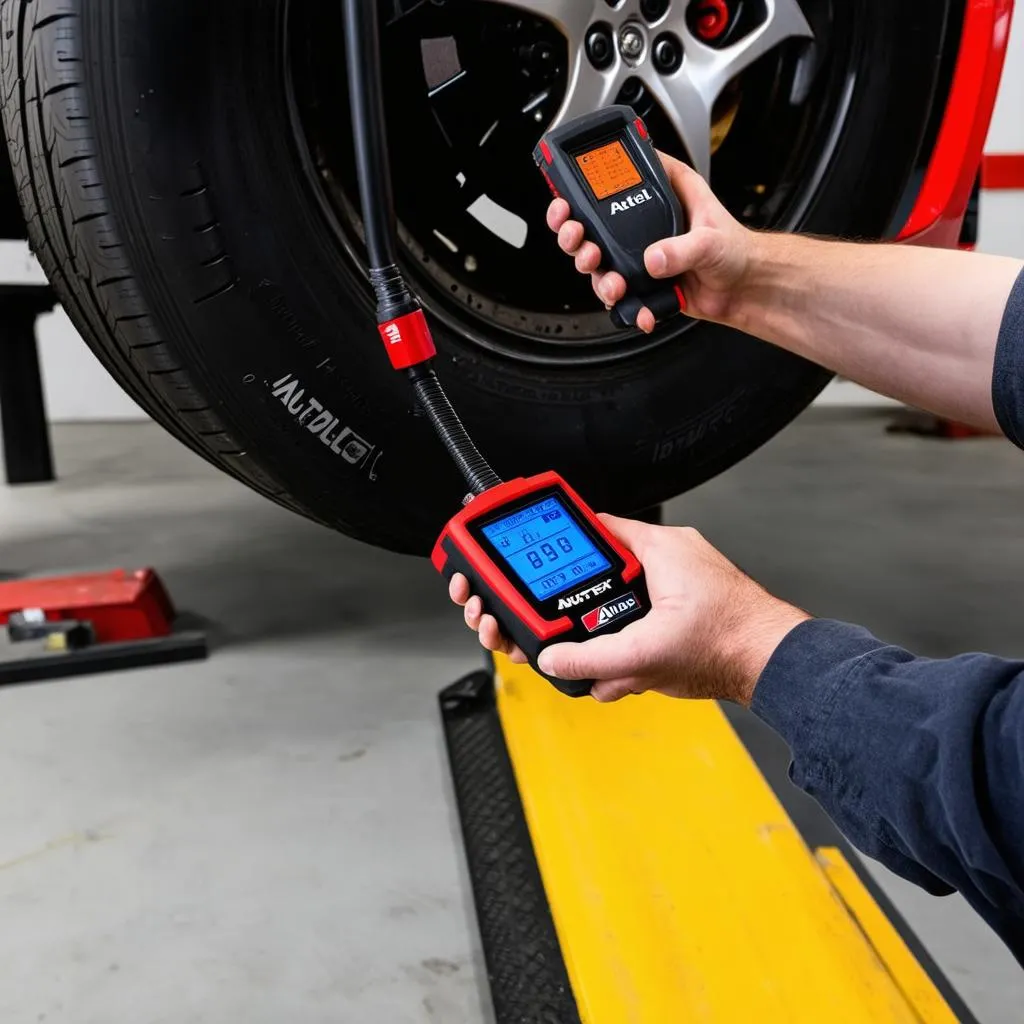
point(919, 762)
point(1008, 373)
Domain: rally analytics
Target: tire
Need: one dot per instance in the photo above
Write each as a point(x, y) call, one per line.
point(154, 150)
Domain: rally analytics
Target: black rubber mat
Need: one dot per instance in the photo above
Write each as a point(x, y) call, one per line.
point(529, 983)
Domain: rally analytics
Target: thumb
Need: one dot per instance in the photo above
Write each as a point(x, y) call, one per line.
point(673, 257)
point(691, 188)
point(634, 534)
point(606, 657)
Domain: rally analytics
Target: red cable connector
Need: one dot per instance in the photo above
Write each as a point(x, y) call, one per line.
point(408, 340)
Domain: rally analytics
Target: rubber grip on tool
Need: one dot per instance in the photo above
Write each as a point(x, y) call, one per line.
point(663, 304)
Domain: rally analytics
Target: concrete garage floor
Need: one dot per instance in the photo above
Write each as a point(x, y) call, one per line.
point(270, 836)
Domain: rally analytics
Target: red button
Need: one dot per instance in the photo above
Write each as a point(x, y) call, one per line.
point(551, 184)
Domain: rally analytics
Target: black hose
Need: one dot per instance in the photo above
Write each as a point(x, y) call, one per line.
point(394, 300)
point(472, 465)
point(362, 47)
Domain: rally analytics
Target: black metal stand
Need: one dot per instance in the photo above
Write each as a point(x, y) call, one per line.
point(28, 459)
point(27, 454)
point(164, 650)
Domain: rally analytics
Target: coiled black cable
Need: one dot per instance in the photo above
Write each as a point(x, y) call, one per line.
point(472, 465)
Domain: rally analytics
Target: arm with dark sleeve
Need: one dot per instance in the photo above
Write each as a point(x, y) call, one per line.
point(1008, 370)
point(919, 762)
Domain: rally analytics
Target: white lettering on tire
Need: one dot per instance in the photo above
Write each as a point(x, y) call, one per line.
point(314, 416)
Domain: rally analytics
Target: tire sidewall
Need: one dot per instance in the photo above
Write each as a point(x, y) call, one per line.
point(235, 253)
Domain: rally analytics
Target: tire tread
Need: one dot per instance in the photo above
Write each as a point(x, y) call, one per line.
point(77, 241)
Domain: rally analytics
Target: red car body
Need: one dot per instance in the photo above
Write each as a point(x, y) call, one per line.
point(938, 214)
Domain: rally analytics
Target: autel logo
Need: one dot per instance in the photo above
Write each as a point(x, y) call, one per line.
point(638, 199)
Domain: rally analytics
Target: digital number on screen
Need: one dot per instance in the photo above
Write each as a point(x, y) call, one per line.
point(608, 170)
point(546, 548)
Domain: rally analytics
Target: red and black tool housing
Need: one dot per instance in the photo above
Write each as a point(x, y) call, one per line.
point(601, 604)
point(623, 223)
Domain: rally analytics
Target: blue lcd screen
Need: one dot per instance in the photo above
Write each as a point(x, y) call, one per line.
point(546, 548)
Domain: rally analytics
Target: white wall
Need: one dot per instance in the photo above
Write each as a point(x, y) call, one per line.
point(78, 388)
point(1007, 132)
point(1002, 213)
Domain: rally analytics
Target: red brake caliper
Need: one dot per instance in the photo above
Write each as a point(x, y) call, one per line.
point(712, 19)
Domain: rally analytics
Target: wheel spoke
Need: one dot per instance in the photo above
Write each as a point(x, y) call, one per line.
point(689, 111)
point(572, 17)
point(712, 70)
point(588, 89)
point(688, 96)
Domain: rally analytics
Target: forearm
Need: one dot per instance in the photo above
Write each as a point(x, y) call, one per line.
point(914, 323)
point(918, 761)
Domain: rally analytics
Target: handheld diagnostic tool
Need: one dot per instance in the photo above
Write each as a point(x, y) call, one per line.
point(545, 566)
point(605, 166)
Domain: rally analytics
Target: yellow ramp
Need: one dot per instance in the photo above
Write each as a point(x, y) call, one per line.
point(679, 888)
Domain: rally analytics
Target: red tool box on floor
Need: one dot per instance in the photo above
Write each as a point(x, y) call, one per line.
point(104, 621)
point(120, 605)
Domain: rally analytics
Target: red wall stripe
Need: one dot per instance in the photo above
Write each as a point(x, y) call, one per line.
point(1003, 171)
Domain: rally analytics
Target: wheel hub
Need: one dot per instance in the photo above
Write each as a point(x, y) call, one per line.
point(693, 59)
point(633, 43)
point(478, 84)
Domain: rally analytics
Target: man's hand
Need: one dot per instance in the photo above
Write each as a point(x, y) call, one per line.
point(711, 259)
point(710, 633)
point(908, 321)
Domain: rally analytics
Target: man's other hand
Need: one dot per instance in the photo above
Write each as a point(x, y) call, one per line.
point(711, 261)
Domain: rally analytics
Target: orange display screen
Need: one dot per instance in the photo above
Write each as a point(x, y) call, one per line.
point(609, 169)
